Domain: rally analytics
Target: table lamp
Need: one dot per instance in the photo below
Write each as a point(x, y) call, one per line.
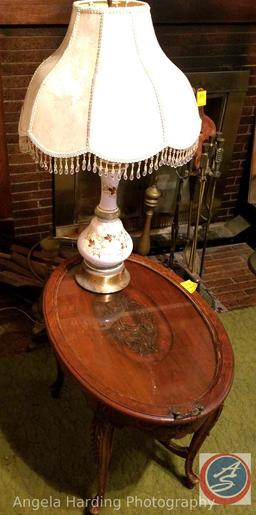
point(108, 100)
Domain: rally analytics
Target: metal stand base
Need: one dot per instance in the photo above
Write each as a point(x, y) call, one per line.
point(102, 281)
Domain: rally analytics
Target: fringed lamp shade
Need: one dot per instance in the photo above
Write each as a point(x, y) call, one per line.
point(109, 92)
point(110, 101)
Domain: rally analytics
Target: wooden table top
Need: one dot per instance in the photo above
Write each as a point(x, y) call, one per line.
point(152, 351)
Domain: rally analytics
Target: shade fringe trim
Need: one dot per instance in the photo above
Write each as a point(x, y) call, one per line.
point(90, 162)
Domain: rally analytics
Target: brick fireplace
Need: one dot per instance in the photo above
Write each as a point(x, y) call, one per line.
point(223, 44)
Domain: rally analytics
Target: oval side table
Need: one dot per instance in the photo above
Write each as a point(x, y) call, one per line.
point(152, 356)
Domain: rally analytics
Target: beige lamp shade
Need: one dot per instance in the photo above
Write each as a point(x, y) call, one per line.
point(109, 94)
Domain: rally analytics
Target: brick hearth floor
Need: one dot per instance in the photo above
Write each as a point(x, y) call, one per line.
point(228, 277)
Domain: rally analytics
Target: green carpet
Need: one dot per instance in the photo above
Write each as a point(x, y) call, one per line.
point(45, 443)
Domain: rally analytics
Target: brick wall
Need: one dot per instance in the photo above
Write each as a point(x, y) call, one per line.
point(22, 49)
point(229, 206)
point(191, 47)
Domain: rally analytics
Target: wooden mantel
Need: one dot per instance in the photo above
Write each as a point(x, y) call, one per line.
point(57, 12)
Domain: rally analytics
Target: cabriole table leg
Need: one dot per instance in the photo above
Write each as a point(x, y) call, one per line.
point(196, 442)
point(57, 385)
point(102, 436)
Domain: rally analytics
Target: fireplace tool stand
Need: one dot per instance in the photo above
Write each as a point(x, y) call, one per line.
point(202, 188)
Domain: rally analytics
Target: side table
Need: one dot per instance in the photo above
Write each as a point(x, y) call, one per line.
point(152, 356)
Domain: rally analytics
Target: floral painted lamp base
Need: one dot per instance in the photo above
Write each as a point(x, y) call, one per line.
point(105, 244)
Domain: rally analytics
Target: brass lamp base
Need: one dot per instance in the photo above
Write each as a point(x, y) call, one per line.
point(102, 281)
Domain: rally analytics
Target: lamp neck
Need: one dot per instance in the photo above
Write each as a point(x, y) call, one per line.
point(107, 208)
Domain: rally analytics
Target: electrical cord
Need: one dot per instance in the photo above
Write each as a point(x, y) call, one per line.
point(23, 312)
point(34, 273)
point(31, 251)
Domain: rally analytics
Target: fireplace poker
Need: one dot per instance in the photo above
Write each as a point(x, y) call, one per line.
point(202, 180)
point(181, 174)
point(192, 190)
point(215, 175)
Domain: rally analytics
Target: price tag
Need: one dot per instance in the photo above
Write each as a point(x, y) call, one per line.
point(190, 286)
point(201, 97)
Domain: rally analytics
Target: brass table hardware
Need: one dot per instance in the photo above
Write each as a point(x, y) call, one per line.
point(197, 410)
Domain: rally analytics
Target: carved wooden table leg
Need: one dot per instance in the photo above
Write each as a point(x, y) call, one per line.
point(196, 442)
point(179, 450)
point(57, 385)
point(102, 434)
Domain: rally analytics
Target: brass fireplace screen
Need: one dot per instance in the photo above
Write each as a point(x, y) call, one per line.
point(75, 196)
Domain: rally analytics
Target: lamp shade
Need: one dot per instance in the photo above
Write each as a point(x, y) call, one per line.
point(109, 94)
